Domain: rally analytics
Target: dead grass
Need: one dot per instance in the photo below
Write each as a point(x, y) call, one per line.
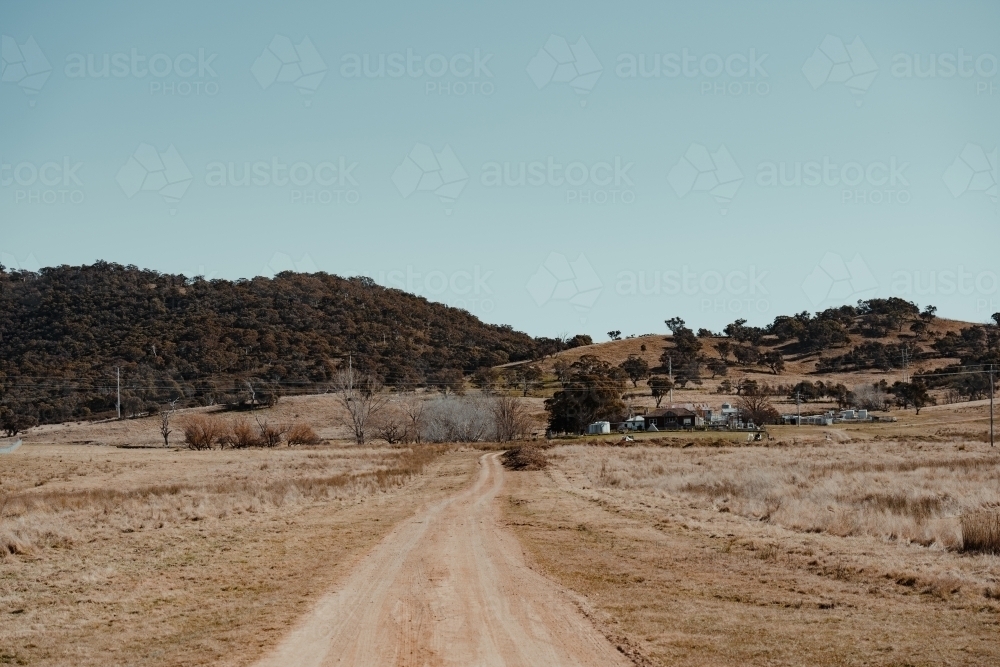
point(42, 518)
point(783, 556)
point(888, 491)
point(170, 557)
point(981, 531)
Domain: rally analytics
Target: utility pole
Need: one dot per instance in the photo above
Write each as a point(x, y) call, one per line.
point(118, 405)
point(798, 414)
point(991, 405)
point(670, 371)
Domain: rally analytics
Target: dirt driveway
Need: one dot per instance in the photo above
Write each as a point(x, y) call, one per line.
point(448, 587)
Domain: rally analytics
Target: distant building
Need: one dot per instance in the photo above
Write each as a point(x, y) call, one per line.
point(635, 423)
point(599, 428)
point(830, 417)
point(668, 418)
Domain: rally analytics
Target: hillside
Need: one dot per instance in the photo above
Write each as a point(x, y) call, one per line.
point(64, 331)
point(617, 351)
point(822, 357)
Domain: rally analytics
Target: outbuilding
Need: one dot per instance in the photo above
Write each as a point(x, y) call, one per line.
point(599, 428)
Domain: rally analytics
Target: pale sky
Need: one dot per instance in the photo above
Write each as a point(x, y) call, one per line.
point(577, 167)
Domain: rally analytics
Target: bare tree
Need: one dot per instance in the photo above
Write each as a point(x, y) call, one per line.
point(458, 419)
point(414, 410)
point(362, 399)
point(165, 416)
point(510, 419)
point(755, 405)
point(390, 425)
point(869, 397)
point(165, 428)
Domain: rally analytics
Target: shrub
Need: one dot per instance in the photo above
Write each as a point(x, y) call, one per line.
point(302, 434)
point(981, 531)
point(270, 435)
point(201, 432)
point(510, 419)
point(525, 457)
point(241, 435)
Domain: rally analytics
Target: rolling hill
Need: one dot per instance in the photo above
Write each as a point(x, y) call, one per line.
point(65, 330)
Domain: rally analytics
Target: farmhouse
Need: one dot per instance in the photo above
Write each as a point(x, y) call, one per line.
point(668, 418)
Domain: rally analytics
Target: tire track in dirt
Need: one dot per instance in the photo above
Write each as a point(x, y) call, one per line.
point(448, 587)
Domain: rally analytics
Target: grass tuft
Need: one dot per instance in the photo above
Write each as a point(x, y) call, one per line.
point(981, 531)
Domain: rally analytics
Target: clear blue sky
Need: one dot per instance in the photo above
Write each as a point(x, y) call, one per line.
point(694, 156)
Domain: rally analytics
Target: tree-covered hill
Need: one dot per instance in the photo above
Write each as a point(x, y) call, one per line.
point(63, 331)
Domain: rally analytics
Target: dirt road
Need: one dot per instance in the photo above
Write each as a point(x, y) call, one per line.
point(448, 587)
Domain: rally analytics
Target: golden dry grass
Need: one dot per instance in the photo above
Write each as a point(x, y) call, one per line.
point(830, 553)
point(981, 531)
point(887, 490)
point(161, 557)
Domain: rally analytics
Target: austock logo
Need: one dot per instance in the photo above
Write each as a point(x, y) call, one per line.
point(148, 170)
point(327, 182)
point(457, 75)
point(423, 170)
point(701, 171)
point(558, 279)
point(601, 182)
point(465, 289)
point(733, 291)
point(981, 69)
point(838, 282)
point(732, 75)
point(284, 62)
point(51, 182)
point(24, 65)
point(12, 263)
point(974, 170)
point(559, 62)
point(835, 62)
point(180, 75)
point(876, 182)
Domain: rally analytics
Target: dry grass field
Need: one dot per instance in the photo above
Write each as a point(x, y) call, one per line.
point(846, 545)
point(161, 556)
point(814, 550)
